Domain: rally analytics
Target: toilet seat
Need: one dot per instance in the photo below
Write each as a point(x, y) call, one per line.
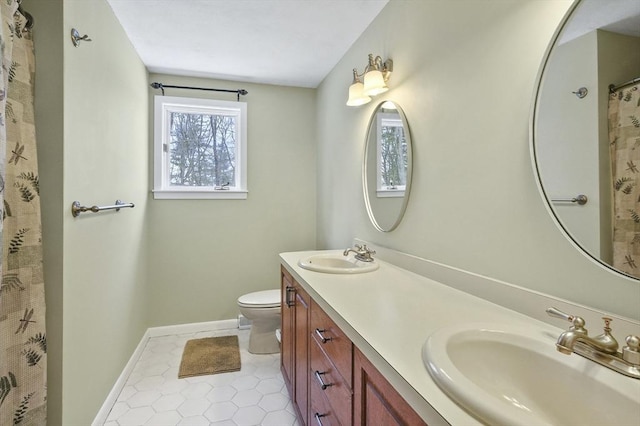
point(260, 299)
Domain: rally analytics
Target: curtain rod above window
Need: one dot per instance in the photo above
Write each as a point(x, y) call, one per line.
point(161, 86)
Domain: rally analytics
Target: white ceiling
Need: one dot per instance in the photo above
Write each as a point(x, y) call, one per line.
point(618, 16)
point(285, 42)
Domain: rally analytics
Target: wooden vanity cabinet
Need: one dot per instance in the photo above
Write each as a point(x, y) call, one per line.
point(376, 402)
point(331, 383)
point(295, 342)
point(331, 371)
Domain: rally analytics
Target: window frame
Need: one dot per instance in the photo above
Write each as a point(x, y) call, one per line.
point(163, 106)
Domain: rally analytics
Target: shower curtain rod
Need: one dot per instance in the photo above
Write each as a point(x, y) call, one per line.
point(613, 87)
point(161, 86)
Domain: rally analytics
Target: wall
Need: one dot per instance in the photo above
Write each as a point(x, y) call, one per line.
point(92, 111)
point(464, 74)
point(50, 139)
point(204, 254)
point(567, 138)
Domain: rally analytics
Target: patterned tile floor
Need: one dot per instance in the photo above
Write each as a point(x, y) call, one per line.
point(153, 394)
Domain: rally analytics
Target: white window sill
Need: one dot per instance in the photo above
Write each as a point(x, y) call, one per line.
point(389, 193)
point(199, 195)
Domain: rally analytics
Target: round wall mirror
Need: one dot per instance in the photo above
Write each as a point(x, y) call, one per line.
point(387, 166)
point(586, 131)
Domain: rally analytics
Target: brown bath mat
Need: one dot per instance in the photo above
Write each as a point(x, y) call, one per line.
point(210, 355)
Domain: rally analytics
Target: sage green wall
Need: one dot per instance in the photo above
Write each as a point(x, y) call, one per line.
point(465, 72)
point(50, 139)
point(204, 254)
point(92, 114)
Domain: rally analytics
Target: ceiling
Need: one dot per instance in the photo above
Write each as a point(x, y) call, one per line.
point(618, 16)
point(283, 42)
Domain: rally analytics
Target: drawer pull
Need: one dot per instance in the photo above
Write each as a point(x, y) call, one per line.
point(288, 299)
point(322, 338)
point(319, 375)
point(317, 417)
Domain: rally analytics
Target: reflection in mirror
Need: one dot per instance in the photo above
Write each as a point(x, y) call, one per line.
point(387, 166)
point(586, 137)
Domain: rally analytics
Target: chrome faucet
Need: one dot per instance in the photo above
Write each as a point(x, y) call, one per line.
point(362, 253)
point(602, 349)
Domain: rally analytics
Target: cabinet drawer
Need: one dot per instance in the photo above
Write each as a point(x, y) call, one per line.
point(337, 347)
point(336, 390)
point(320, 411)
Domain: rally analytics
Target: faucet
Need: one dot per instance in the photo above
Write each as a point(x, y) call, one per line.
point(605, 342)
point(602, 349)
point(362, 253)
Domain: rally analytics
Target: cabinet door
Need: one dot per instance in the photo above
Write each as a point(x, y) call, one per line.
point(375, 401)
point(287, 330)
point(301, 357)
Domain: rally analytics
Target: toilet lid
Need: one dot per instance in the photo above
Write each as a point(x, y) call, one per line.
point(261, 299)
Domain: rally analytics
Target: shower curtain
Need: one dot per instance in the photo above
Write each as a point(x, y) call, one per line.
point(624, 139)
point(23, 344)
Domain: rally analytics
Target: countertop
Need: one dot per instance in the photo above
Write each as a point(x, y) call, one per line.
point(389, 313)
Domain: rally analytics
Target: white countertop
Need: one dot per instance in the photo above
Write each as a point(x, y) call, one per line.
point(390, 312)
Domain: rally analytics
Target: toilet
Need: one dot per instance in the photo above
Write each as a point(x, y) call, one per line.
point(263, 309)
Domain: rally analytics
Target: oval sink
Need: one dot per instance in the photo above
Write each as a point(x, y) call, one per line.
point(336, 263)
point(507, 375)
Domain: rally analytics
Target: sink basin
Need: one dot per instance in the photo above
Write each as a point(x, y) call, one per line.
point(506, 375)
point(336, 263)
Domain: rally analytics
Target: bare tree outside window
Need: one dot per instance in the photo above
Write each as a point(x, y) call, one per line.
point(393, 156)
point(202, 150)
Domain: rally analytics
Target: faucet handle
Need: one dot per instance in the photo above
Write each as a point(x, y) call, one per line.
point(368, 250)
point(631, 352)
point(577, 322)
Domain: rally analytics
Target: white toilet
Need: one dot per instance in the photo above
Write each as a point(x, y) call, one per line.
point(263, 309)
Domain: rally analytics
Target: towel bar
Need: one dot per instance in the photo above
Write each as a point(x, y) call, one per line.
point(580, 199)
point(77, 208)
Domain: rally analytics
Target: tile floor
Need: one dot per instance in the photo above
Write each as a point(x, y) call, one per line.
point(153, 394)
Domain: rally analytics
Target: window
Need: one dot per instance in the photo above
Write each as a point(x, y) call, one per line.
point(392, 155)
point(200, 149)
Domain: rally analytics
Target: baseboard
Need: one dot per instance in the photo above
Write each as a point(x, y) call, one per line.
point(196, 327)
point(112, 397)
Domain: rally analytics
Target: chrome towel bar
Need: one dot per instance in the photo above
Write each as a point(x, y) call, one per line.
point(580, 199)
point(76, 208)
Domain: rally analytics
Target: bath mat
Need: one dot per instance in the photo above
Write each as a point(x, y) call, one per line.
point(210, 355)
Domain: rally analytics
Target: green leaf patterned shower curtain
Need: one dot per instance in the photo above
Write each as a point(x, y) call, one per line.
point(23, 344)
point(624, 139)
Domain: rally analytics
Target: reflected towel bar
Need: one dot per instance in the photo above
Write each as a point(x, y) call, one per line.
point(76, 208)
point(580, 199)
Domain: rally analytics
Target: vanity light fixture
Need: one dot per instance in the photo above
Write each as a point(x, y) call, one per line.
point(375, 76)
point(356, 91)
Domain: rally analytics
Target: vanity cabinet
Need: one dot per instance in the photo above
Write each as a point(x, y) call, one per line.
point(331, 383)
point(331, 371)
point(376, 402)
point(295, 342)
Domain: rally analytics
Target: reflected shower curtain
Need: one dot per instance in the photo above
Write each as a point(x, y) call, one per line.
point(624, 139)
point(23, 345)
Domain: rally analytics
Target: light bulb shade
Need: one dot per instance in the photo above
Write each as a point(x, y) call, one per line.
point(356, 95)
point(374, 83)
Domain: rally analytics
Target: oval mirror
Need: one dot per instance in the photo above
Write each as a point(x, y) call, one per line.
point(387, 166)
point(586, 131)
